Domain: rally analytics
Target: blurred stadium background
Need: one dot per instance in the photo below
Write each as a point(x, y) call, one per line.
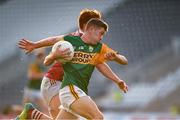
point(146, 31)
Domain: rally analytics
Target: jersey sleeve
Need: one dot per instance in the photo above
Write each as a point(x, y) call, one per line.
point(105, 49)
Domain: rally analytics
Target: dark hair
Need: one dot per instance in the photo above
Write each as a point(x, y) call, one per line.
point(86, 15)
point(98, 23)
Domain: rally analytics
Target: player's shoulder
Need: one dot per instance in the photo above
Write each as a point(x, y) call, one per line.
point(71, 37)
point(101, 45)
point(104, 45)
point(74, 40)
point(76, 33)
point(105, 48)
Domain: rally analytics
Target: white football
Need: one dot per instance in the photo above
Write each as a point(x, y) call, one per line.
point(62, 45)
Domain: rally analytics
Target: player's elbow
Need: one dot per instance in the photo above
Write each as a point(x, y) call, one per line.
point(122, 60)
point(125, 62)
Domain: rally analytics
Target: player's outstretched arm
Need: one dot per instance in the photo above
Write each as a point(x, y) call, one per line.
point(112, 56)
point(29, 46)
point(107, 72)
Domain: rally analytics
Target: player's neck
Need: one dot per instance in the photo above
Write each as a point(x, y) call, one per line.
point(85, 38)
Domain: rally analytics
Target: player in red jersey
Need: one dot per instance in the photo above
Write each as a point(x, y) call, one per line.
point(51, 82)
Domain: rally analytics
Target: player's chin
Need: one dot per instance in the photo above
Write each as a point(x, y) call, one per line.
point(95, 43)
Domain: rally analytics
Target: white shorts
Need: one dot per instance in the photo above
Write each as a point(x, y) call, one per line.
point(68, 95)
point(32, 95)
point(49, 88)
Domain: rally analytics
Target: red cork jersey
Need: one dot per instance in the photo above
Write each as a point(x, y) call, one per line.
point(55, 72)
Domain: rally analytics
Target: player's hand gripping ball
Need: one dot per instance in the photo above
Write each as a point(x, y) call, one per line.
point(63, 45)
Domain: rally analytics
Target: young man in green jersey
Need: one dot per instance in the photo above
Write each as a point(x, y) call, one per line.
point(77, 72)
point(29, 46)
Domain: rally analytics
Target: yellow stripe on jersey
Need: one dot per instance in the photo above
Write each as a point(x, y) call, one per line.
point(73, 92)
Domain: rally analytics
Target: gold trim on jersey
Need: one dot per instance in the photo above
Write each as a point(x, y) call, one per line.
point(71, 87)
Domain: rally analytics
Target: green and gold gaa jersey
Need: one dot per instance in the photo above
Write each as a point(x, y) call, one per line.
point(79, 70)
